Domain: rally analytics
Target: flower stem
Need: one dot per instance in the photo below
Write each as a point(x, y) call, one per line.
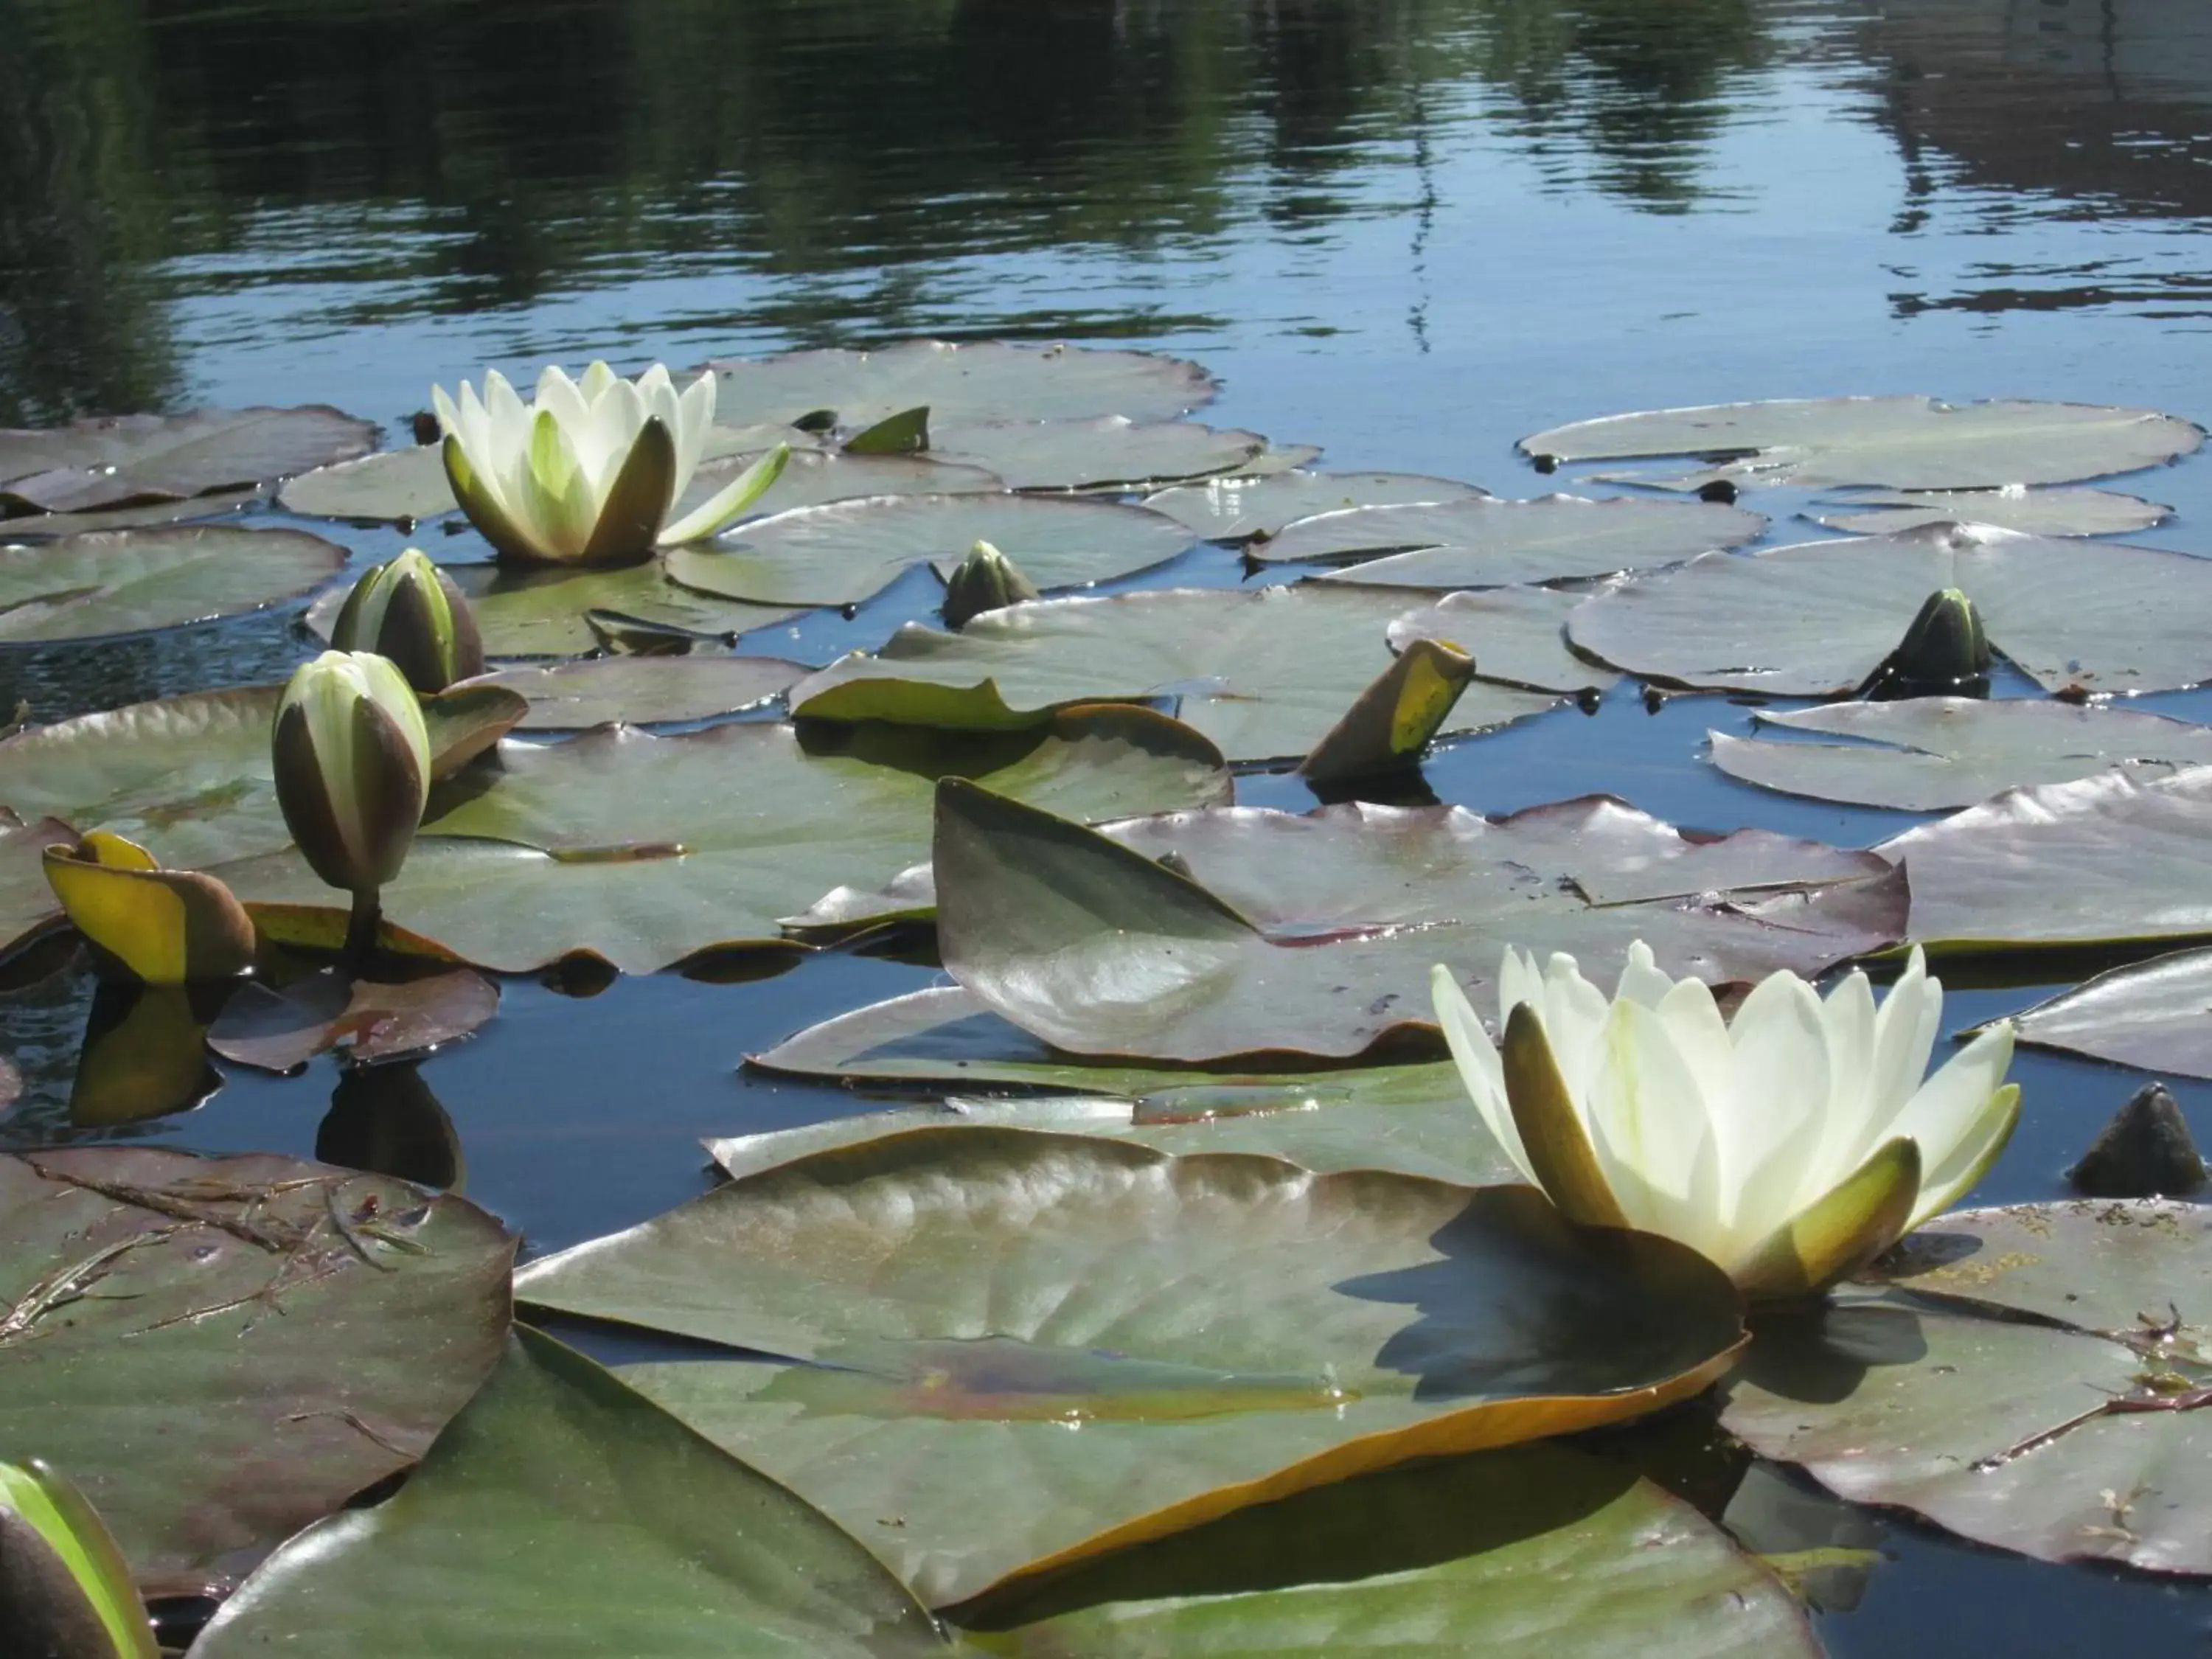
point(361, 931)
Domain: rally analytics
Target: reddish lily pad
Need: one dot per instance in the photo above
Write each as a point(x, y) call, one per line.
point(278, 1029)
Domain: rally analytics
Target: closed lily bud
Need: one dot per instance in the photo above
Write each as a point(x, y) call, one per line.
point(409, 610)
point(1945, 651)
point(64, 1586)
point(986, 581)
point(353, 767)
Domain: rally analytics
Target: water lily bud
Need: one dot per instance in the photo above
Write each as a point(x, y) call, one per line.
point(986, 581)
point(65, 1590)
point(353, 767)
point(409, 610)
point(1946, 651)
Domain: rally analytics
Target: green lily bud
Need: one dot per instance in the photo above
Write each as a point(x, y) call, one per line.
point(353, 767)
point(986, 581)
point(409, 610)
point(1945, 653)
point(64, 1587)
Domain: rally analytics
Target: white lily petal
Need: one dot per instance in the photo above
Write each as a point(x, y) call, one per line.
point(695, 417)
point(1766, 1127)
point(1574, 1012)
point(1700, 1036)
point(608, 433)
point(1943, 1111)
point(1850, 1017)
point(596, 379)
point(1648, 1125)
point(1954, 1176)
point(1640, 978)
point(1480, 1069)
point(1518, 981)
point(506, 419)
point(1904, 1037)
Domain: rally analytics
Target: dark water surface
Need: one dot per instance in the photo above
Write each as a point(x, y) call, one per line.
point(1409, 232)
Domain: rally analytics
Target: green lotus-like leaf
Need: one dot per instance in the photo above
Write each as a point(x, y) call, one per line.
point(1516, 636)
point(1105, 452)
point(643, 691)
point(118, 460)
point(1225, 1329)
point(2036, 511)
point(125, 581)
point(2149, 1014)
point(220, 1350)
point(576, 1519)
point(1239, 506)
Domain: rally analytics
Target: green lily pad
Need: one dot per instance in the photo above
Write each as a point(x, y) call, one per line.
point(2035, 512)
point(1517, 635)
point(1279, 934)
point(1485, 542)
point(627, 845)
point(278, 1029)
point(1923, 753)
point(220, 1350)
point(545, 613)
point(1223, 1328)
point(1106, 451)
point(27, 899)
point(187, 778)
point(570, 695)
point(987, 380)
point(1414, 1120)
point(848, 551)
point(1241, 507)
point(814, 476)
point(1274, 458)
point(1907, 443)
point(1529, 1550)
point(119, 460)
point(564, 1515)
point(2107, 860)
point(127, 581)
point(47, 526)
point(2020, 1375)
point(1264, 673)
point(2149, 1015)
point(1814, 620)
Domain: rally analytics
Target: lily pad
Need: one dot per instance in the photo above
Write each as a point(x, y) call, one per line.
point(127, 581)
point(47, 526)
point(187, 778)
point(1239, 507)
point(1813, 620)
point(642, 691)
point(1107, 452)
point(1516, 636)
point(2036, 511)
point(1530, 1550)
point(2020, 1375)
point(1907, 443)
point(575, 1519)
point(1315, 935)
point(2150, 1015)
point(1264, 673)
point(1488, 543)
point(220, 1350)
point(28, 906)
point(118, 460)
point(812, 477)
point(1925, 753)
point(646, 849)
point(848, 551)
point(2104, 860)
point(277, 1030)
point(1414, 1120)
point(987, 380)
point(1224, 1329)
point(545, 613)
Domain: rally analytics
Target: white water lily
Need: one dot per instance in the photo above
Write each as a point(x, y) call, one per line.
point(1790, 1146)
point(588, 472)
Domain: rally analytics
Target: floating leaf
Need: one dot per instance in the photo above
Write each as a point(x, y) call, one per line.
point(848, 551)
point(1814, 620)
point(1240, 506)
point(161, 927)
point(47, 526)
point(812, 477)
point(1388, 726)
point(1223, 1328)
point(2104, 860)
point(1907, 443)
point(2020, 1375)
point(127, 581)
point(1309, 936)
point(220, 1350)
point(547, 613)
point(1263, 673)
point(642, 691)
point(1530, 1550)
point(628, 845)
point(277, 1028)
point(1923, 753)
point(2149, 1015)
point(28, 906)
point(120, 459)
point(1488, 544)
point(2035, 512)
point(988, 380)
point(576, 1519)
point(1105, 452)
point(1516, 635)
point(466, 720)
point(906, 433)
point(1414, 1120)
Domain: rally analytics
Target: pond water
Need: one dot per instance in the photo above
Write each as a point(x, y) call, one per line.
point(1408, 232)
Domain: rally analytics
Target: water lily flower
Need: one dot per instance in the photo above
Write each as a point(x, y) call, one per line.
point(1790, 1146)
point(409, 610)
point(67, 1590)
point(987, 580)
point(588, 472)
point(353, 774)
